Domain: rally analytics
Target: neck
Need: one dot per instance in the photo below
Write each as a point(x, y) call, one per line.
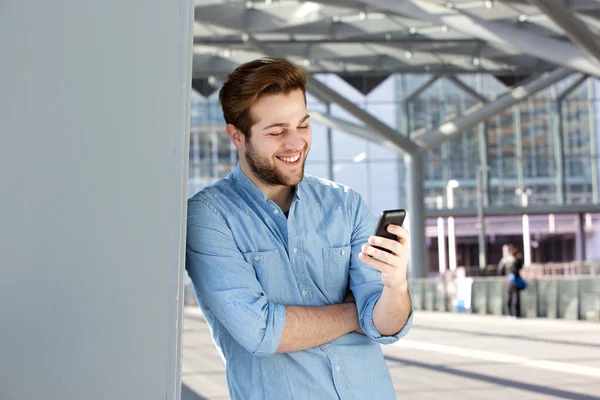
point(281, 195)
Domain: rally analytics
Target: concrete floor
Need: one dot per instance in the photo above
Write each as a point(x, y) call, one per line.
point(450, 356)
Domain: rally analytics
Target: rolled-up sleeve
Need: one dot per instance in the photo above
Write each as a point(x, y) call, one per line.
point(365, 281)
point(227, 284)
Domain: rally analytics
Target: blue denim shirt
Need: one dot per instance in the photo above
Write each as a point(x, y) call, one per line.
point(247, 261)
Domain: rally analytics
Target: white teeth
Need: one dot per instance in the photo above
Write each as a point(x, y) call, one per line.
point(290, 159)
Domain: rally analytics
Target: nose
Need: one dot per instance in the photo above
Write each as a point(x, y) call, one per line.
point(294, 140)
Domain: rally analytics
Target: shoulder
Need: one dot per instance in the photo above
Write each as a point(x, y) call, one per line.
point(325, 192)
point(222, 198)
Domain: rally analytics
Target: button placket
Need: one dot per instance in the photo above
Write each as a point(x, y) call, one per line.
point(299, 269)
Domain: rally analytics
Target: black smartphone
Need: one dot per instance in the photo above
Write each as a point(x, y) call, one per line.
point(387, 217)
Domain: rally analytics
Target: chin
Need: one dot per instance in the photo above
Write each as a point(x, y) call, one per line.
point(293, 181)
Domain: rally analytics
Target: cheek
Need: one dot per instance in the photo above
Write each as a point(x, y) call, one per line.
point(268, 149)
point(308, 138)
point(263, 148)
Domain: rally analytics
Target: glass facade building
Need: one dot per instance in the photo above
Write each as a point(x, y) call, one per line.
point(522, 145)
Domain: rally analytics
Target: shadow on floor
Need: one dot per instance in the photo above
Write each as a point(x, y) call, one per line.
point(506, 336)
point(564, 394)
point(189, 394)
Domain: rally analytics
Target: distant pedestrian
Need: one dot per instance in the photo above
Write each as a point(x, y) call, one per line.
point(511, 265)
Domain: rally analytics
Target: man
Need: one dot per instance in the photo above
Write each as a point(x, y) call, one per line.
point(511, 263)
point(272, 253)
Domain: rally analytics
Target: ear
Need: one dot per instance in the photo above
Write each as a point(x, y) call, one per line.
point(237, 137)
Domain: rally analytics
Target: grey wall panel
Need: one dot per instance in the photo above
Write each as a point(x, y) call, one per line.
point(496, 296)
point(589, 299)
point(568, 299)
point(479, 298)
point(417, 294)
point(430, 295)
point(94, 116)
point(529, 306)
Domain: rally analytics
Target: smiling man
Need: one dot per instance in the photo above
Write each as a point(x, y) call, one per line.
point(282, 263)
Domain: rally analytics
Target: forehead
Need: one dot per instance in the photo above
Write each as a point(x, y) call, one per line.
point(279, 107)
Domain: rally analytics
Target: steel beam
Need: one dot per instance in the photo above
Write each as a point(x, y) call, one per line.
point(575, 28)
point(481, 112)
point(582, 235)
point(327, 95)
point(467, 89)
point(377, 38)
point(353, 129)
point(545, 209)
point(481, 172)
point(408, 100)
point(330, 170)
point(516, 111)
point(565, 93)
point(559, 148)
point(416, 208)
point(417, 92)
point(595, 164)
point(498, 34)
point(482, 134)
point(559, 138)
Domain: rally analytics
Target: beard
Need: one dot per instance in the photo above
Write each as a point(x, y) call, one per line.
point(267, 171)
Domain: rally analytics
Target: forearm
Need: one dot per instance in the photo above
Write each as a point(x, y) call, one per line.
point(391, 311)
point(308, 327)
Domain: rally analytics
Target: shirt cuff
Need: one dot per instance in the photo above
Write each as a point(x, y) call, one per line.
point(274, 329)
point(371, 331)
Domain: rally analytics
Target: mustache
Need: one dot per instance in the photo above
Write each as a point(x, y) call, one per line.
point(301, 151)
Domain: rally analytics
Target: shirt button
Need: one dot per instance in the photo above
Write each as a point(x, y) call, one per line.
point(343, 252)
point(304, 292)
point(295, 249)
point(276, 212)
point(337, 368)
point(257, 258)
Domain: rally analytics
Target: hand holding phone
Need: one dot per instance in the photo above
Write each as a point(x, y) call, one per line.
point(389, 217)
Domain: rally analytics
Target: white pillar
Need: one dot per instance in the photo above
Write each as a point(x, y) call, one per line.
point(526, 241)
point(526, 231)
point(94, 118)
point(441, 238)
point(452, 184)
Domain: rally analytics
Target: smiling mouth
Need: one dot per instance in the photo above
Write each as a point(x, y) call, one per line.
point(291, 159)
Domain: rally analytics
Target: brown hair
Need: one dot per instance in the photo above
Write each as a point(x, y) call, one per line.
point(249, 81)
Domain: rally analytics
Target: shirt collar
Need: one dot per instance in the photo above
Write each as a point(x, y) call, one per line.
point(255, 192)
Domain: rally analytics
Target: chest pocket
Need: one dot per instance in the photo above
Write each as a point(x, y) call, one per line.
point(269, 272)
point(336, 264)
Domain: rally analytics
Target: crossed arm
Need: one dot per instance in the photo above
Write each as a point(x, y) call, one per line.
point(233, 294)
point(374, 274)
point(308, 327)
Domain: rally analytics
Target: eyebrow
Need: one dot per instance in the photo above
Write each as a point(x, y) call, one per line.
point(284, 124)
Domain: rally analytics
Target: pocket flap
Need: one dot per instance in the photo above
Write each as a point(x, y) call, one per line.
point(262, 257)
point(336, 253)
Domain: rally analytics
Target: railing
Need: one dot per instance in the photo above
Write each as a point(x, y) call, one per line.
point(574, 297)
point(532, 271)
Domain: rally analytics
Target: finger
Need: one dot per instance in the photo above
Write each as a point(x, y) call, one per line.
point(403, 234)
point(384, 268)
point(381, 255)
point(392, 245)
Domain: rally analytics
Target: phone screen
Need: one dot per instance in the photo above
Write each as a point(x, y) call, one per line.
point(387, 217)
